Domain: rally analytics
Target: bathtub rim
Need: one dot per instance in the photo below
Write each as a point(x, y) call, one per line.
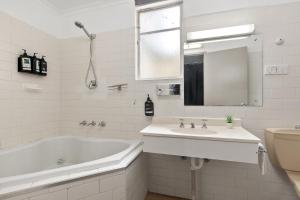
point(125, 157)
point(38, 141)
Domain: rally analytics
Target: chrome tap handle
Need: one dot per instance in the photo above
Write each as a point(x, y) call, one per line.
point(93, 123)
point(102, 124)
point(204, 125)
point(181, 125)
point(192, 125)
point(83, 123)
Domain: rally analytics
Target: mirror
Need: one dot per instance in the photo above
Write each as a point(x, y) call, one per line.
point(224, 72)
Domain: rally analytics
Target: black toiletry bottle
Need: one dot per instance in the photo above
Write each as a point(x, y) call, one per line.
point(24, 63)
point(43, 65)
point(36, 66)
point(149, 107)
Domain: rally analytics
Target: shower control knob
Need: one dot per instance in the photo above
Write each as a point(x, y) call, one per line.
point(102, 124)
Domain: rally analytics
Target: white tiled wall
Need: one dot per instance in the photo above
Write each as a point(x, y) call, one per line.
point(26, 116)
point(123, 111)
point(127, 184)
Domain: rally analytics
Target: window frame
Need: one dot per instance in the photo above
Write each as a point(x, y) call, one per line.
point(150, 8)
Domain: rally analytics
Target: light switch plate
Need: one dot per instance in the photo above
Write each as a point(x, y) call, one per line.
point(276, 69)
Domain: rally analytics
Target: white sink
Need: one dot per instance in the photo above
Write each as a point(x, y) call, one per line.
point(164, 136)
point(196, 131)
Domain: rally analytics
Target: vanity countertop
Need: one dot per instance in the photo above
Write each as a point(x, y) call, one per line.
point(215, 132)
point(184, 136)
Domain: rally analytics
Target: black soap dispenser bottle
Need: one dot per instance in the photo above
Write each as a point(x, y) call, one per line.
point(43, 65)
point(149, 107)
point(24, 63)
point(36, 66)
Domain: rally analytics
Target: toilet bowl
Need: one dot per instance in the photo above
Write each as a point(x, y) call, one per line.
point(283, 146)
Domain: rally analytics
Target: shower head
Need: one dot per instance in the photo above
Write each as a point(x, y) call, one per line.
point(80, 25)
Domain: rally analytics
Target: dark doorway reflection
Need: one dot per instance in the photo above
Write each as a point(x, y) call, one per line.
point(193, 80)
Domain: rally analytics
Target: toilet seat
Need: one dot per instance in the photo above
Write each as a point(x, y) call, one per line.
point(295, 179)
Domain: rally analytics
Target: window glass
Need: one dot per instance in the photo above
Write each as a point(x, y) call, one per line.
point(160, 55)
point(165, 18)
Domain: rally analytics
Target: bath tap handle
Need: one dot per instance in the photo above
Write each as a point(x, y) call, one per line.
point(102, 124)
point(192, 125)
point(204, 125)
point(181, 125)
point(93, 123)
point(83, 123)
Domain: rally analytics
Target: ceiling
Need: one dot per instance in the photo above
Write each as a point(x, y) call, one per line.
point(72, 4)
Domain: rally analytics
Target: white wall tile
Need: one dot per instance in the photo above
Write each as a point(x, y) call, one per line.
point(27, 116)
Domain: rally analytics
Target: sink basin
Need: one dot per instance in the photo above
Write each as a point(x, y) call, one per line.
point(164, 136)
point(196, 131)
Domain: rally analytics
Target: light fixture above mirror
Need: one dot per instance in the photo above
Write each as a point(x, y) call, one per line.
point(221, 33)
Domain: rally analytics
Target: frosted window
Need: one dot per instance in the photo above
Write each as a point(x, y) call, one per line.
point(159, 43)
point(160, 55)
point(165, 18)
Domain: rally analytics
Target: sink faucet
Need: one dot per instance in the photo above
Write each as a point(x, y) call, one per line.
point(192, 125)
point(297, 127)
point(204, 123)
point(181, 125)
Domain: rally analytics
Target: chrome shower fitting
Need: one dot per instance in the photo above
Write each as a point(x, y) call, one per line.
point(92, 84)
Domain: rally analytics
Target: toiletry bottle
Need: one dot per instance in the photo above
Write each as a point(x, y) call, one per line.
point(36, 67)
point(149, 107)
point(24, 63)
point(43, 65)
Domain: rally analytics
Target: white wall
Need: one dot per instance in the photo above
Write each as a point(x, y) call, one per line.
point(26, 116)
point(99, 17)
point(37, 13)
point(120, 15)
point(200, 7)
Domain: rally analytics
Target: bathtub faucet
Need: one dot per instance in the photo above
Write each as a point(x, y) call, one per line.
point(102, 124)
point(83, 123)
point(93, 123)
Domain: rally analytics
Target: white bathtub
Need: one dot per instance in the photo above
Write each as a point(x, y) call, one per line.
point(60, 159)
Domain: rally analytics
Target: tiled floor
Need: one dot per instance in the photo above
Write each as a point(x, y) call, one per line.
point(152, 196)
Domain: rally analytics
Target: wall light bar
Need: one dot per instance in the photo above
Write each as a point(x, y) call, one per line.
point(221, 33)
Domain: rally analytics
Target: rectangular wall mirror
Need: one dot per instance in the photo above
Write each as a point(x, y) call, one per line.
point(226, 72)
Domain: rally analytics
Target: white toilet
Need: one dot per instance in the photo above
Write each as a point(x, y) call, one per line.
point(283, 147)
